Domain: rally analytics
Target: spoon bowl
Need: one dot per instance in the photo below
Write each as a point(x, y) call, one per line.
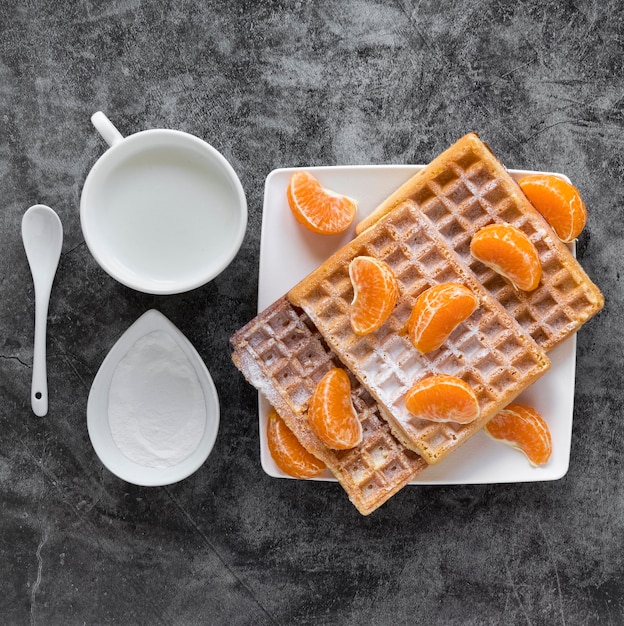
point(42, 234)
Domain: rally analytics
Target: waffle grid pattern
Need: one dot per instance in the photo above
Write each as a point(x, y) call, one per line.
point(282, 354)
point(471, 190)
point(489, 351)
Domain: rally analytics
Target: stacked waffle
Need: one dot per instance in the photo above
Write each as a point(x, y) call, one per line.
point(489, 351)
point(423, 233)
point(284, 356)
point(466, 188)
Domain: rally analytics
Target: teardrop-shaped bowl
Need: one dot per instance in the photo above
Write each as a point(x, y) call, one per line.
point(98, 421)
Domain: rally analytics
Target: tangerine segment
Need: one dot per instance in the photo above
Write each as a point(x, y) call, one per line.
point(375, 292)
point(508, 251)
point(287, 452)
point(523, 428)
point(437, 312)
point(443, 398)
point(318, 209)
point(558, 201)
point(331, 414)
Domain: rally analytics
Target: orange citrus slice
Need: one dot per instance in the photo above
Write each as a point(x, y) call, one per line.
point(508, 251)
point(437, 312)
point(331, 414)
point(318, 209)
point(289, 455)
point(443, 398)
point(558, 201)
point(524, 429)
point(375, 292)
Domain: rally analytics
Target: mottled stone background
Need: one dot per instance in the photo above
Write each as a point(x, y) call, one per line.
point(275, 84)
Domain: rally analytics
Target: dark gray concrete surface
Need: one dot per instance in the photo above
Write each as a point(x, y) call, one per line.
point(274, 84)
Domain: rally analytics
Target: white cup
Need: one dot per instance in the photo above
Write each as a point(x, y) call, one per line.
point(161, 211)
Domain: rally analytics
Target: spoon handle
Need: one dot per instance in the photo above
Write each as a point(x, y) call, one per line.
point(39, 387)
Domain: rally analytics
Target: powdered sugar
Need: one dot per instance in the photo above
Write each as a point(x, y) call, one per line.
point(156, 407)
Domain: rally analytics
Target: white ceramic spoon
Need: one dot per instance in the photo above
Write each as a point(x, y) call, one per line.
point(42, 233)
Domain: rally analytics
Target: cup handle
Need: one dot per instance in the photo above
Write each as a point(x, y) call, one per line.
point(105, 127)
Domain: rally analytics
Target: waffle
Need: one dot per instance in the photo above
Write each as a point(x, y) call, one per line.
point(283, 355)
point(489, 350)
point(466, 188)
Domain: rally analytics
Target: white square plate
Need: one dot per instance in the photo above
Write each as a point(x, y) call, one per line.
point(289, 252)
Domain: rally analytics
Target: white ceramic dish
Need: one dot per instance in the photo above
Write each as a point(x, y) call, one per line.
point(97, 408)
point(289, 252)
